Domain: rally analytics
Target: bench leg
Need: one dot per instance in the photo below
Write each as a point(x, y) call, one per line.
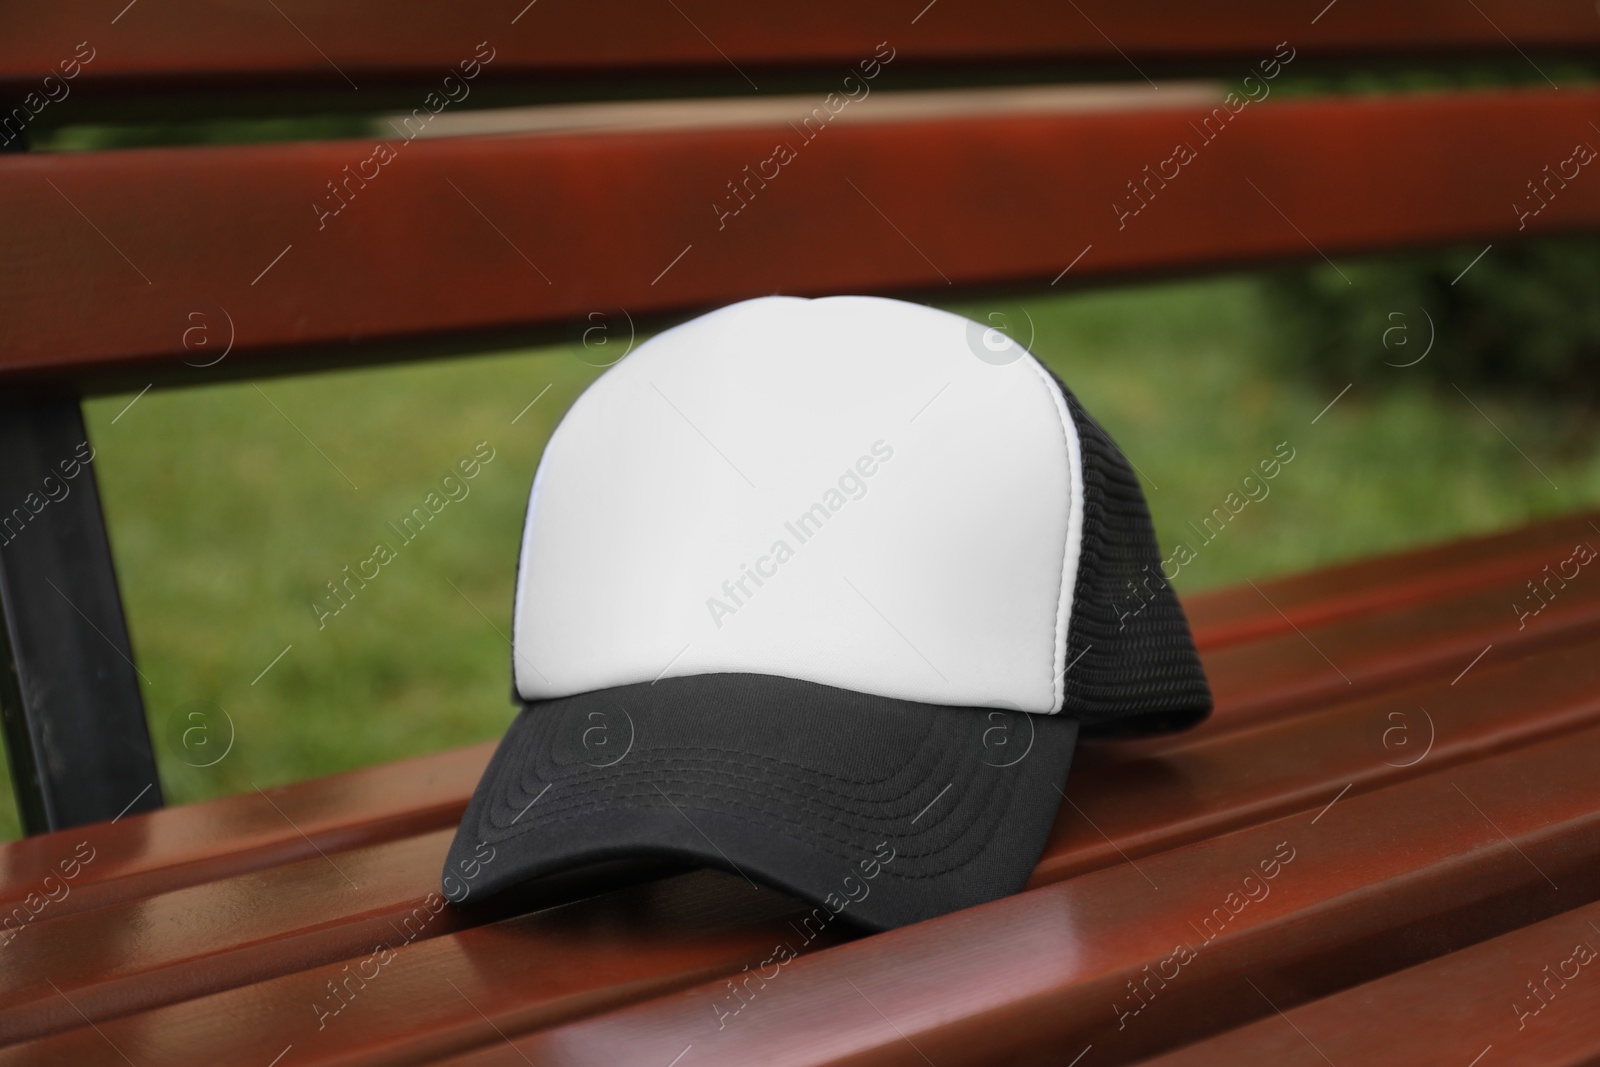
point(70, 701)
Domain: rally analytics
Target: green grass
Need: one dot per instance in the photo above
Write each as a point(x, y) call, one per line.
point(226, 522)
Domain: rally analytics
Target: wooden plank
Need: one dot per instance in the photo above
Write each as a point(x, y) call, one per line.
point(193, 43)
point(1374, 883)
point(465, 242)
point(1123, 808)
point(1446, 637)
point(431, 997)
point(121, 958)
point(1274, 606)
point(1454, 1009)
point(142, 855)
point(1137, 799)
point(174, 946)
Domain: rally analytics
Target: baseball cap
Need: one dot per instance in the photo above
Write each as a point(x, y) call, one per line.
point(824, 593)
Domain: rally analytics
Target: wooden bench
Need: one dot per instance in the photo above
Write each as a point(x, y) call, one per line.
point(1427, 827)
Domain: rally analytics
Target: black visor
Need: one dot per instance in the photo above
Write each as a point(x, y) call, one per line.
point(884, 811)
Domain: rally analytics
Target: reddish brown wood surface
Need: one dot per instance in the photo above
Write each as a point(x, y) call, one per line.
point(1443, 637)
point(1127, 804)
point(433, 996)
point(518, 993)
point(1523, 997)
point(116, 959)
point(1129, 799)
point(500, 235)
point(146, 854)
point(195, 42)
point(1123, 804)
point(1509, 559)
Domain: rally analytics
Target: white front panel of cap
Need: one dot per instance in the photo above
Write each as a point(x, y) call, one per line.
point(839, 491)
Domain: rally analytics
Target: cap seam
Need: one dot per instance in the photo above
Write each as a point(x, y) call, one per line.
point(1074, 524)
point(568, 815)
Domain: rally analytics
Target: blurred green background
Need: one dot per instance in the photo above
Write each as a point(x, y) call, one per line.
point(226, 521)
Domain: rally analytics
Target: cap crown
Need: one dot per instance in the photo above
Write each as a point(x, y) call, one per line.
point(853, 491)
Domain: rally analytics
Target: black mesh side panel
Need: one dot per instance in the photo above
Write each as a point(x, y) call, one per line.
point(1131, 662)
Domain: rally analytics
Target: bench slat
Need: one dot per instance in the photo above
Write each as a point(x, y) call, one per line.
point(507, 235)
point(544, 968)
point(1452, 1009)
point(1198, 789)
point(1138, 800)
point(1445, 636)
point(1395, 580)
point(148, 854)
point(193, 44)
point(118, 959)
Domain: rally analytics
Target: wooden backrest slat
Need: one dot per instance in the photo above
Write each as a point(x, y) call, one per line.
point(199, 43)
point(474, 240)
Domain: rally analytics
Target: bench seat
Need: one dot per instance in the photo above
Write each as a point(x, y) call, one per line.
point(236, 929)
